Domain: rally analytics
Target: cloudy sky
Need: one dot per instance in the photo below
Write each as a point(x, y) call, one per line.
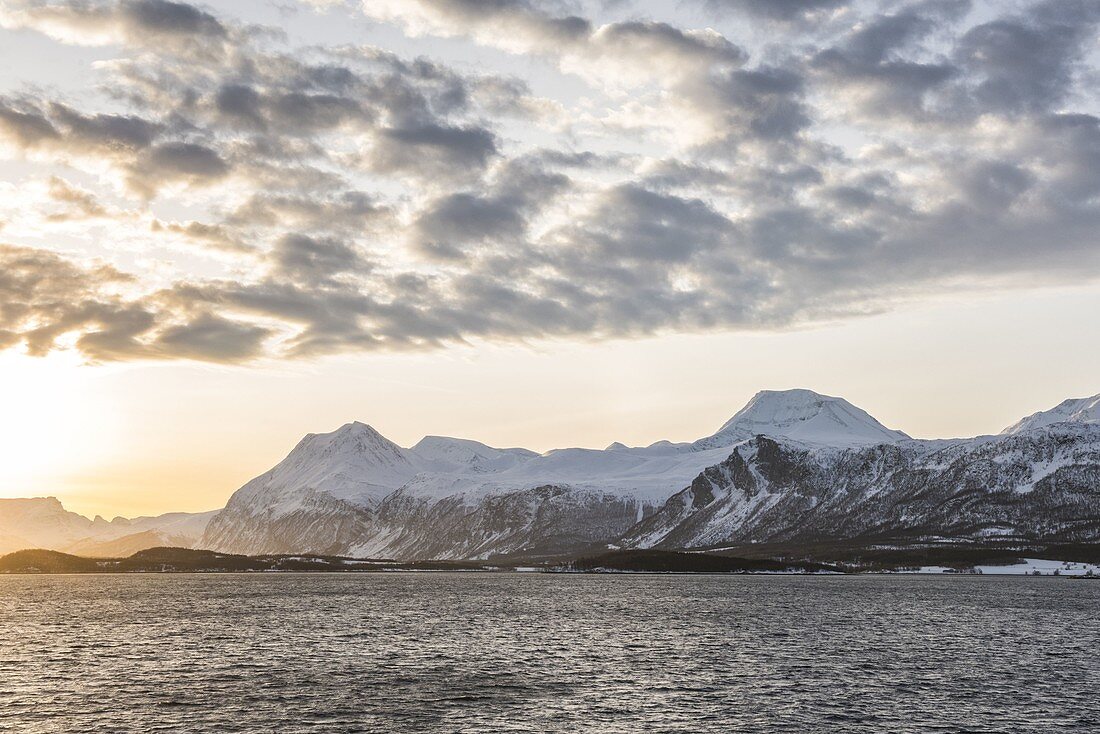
point(528, 222)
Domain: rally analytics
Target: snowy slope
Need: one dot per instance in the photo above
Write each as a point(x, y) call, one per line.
point(1078, 410)
point(802, 415)
point(640, 474)
point(442, 454)
point(354, 463)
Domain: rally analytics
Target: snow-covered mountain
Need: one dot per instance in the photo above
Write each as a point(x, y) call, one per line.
point(353, 491)
point(802, 415)
point(789, 466)
point(1074, 410)
point(39, 522)
point(1038, 484)
point(42, 522)
point(354, 463)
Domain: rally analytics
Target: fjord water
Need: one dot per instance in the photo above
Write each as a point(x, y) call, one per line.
point(547, 653)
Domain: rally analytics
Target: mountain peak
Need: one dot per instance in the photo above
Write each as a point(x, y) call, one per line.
point(356, 438)
point(1074, 410)
point(803, 415)
point(354, 462)
point(357, 428)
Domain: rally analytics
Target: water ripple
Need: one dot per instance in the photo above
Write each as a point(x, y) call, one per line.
point(547, 653)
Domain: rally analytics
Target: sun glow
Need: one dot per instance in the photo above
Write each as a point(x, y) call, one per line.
point(53, 422)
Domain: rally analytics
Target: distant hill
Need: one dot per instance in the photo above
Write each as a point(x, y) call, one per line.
point(45, 561)
point(187, 560)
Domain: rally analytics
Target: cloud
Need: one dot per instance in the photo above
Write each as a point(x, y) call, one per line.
point(785, 11)
point(32, 125)
point(188, 163)
point(312, 261)
point(463, 224)
point(214, 236)
point(228, 197)
point(211, 338)
point(347, 211)
point(622, 50)
point(875, 63)
point(160, 25)
point(45, 297)
point(26, 127)
point(1027, 62)
point(132, 144)
point(79, 203)
point(432, 150)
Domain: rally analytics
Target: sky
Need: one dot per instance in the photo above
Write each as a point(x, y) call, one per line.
point(531, 223)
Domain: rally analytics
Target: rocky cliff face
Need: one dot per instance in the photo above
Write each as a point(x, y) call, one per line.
point(1038, 484)
point(540, 520)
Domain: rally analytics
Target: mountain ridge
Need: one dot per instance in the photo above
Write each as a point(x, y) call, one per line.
point(43, 522)
point(353, 491)
point(1074, 410)
point(453, 502)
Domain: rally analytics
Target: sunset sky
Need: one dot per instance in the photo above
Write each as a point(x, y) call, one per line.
point(530, 223)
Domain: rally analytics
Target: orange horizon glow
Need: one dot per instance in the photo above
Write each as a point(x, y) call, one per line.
point(147, 438)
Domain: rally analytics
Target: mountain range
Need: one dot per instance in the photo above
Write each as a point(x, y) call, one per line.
point(791, 466)
point(42, 522)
